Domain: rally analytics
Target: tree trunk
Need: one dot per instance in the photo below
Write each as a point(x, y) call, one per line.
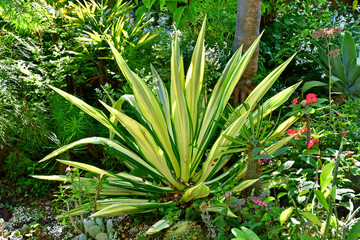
point(248, 20)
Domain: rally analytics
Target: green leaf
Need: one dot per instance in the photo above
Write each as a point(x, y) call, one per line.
point(348, 51)
point(311, 84)
point(172, 6)
point(266, 217)
point(250, 234)
point(325, 176)
point(191, 13)
point(256, 151)
point(147, 145)
point(220, 208)
point(303, 193)
point(158, 226)
point(162, 3)
point(285, 215)
point(308, 110)
point(238, 234)
point(311, 217)
point(262, 156)
point(178, 14)
point(322, 200)
point(150, 109)
point(198, 191)
point(243, 185)
point(311, 152)
point(281, 151)
point(281, 194)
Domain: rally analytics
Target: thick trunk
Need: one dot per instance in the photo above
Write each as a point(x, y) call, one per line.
point(247, 30)
point(253, 171)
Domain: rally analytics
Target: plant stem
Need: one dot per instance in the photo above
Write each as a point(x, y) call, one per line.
point(333, 186)
point(329, 64)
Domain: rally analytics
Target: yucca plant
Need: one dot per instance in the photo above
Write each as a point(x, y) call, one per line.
point(173, 147)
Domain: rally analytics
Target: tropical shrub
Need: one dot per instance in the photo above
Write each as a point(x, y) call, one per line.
point(341, 66)
point(98, 24)
point(173, 149)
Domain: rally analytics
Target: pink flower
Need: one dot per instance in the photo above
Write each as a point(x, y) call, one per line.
point(259, 202)
point(102, 174)
point(69, 169)
point(312, 142)
point(343, 133)
point(266, 160)
point(295, 101)
point(311, 97)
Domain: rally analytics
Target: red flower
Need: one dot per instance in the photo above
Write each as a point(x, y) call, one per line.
point(294, 101)
point(293, 132)
point(302, 130)
point(343, 133)
point(312, 142)
point(311, 97)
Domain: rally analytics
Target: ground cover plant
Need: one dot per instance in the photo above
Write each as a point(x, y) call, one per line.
point(161, 154)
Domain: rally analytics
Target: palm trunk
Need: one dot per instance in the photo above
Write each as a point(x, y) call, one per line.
point(248, 20)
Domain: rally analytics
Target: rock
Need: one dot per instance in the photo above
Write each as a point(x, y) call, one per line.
point(94, 230)
point(101, 236)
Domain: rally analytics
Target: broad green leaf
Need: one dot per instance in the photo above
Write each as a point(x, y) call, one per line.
point(285, 215)
point(243, 185)
point(322, 200)
point(311, 84)
point(238, 234)
point(325, 176)
point(220, 209)
point(311, 217)
point(348, 51)
point(250, 234)
point(178, 14)
point(158, 226)
point(198, 191)
point(303, 193)
point(354, 73)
